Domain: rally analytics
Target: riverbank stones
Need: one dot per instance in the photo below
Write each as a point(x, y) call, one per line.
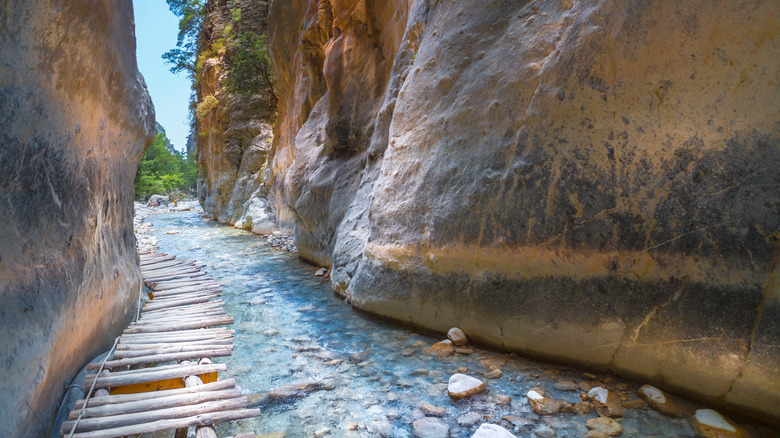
point(457, 337)
point(487, 430)
point(461, 386)
point(659, 401)
point(606, 402)
point(433, 411)
point(711, 424)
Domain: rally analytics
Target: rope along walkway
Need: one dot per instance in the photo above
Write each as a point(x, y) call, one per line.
point(159, 376)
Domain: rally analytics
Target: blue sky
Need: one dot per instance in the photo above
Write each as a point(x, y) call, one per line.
point(155, 32)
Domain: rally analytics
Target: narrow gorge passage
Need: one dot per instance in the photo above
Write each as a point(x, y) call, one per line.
point(316, 367)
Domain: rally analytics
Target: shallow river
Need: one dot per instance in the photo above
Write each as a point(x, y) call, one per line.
point(365, 378)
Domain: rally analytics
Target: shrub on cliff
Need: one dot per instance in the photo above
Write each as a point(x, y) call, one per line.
point(250, 66)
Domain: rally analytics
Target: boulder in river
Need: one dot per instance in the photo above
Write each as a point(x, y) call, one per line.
point(487, 430)
point(659, 401)
point(606, 402)
point(543, 405)
point(605, 425)
point(461, 386)
point(711, 424)
point(294, 390)
point(457, 336)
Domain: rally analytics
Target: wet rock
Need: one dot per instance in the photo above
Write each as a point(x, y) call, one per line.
point(430, 428)
point(605, 425)
point(457, 336)
point(420, 372)
point(502, 400)
point(487, 430)
point(585, 386)
point(358, 357)
point(494, 374)
point(441, 349)
point(595, 434)
point(463, 370)
point(406, 352)
point(438, 389)
point(606, 402)
point(710, 424)
point(469, 418)
point(461, 386)
point(322, 272)
point(494, 362)
point(518, 421)
point(433, 411)
point(542, 404)
point(464, 350)
point(257, 399)
point(294, 390)
point(351, 426)
point(544, 432)
point(634, 404)
point(321, 432)
point(565, 385)
point(659, 401)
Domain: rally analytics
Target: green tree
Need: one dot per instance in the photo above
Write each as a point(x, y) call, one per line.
point(161, 171)
point(191, 15)
point(251, 66)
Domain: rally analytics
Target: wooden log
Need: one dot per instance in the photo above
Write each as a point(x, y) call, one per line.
point(175, 303)
point(182, 335)
point(150, 404)
point(161, 328)
point(159, 278)
point(219, 385)
point(212, 294)
point(178, 295)
point(121, 420)
point(166, 264)
point(167, 357)
point(168, 271)
point(121, 354)
point(121, 378)
point(185, 290)
point(160, 285)
point(154, 426)
point(149, 346)
point(187, 307)
point(185, 316)
point(146, 261)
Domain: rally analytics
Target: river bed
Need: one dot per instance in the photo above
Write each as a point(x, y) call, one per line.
point(356, 377)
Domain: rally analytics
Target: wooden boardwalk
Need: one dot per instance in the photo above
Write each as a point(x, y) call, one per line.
point(134, 391)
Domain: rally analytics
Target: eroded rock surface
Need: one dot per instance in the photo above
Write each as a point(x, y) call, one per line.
point(586, 182)
point(75, 118)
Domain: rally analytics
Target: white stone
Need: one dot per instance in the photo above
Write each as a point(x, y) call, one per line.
point(711, 418)
point(533, 395)
point(459, 383)
point(598, 393)
point(653, 393)
point(487, 430)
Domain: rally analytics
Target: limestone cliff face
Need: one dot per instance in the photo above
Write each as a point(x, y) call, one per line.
point(234, 136)
point(589, 182)
point(74, 120)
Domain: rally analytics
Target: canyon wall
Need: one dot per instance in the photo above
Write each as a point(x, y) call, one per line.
point(588, 182)
point(75, 118)
point(233, 131)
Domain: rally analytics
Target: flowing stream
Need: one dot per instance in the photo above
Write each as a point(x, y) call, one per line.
point(355, 376)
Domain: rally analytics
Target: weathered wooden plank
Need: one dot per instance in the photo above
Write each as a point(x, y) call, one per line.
point(149, 273)
point(161, 328)
point(188, 275)
point(121, 354)
point(202, 282)
point(210, 305)
point(185, 316)
point(195, 420)
point(121, 420)
point(121, 378)
point(175, 303)
point(182, 335)
point(168, 357)
point(186, 296)
point(219, 385)
point(148, 346)
point(149, 404)
point(178, 291)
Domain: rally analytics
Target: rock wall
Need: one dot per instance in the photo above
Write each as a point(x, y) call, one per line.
point(588, 182)
point(234, 134)
point(75, 118)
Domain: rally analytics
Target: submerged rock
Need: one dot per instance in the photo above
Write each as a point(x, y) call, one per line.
point(605, 425)
point(461, 386)
point(441, 349)
point(434, 411)
point(487, 430)
point(294, 390)
point(430, 428)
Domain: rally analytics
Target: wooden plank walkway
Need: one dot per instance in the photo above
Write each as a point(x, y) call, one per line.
point(159, 375)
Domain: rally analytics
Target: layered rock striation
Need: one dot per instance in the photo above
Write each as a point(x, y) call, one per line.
point(592, 183)
point(75, 118)
point(234, 134)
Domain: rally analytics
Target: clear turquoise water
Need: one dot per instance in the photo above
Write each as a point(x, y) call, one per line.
point(290, 327)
